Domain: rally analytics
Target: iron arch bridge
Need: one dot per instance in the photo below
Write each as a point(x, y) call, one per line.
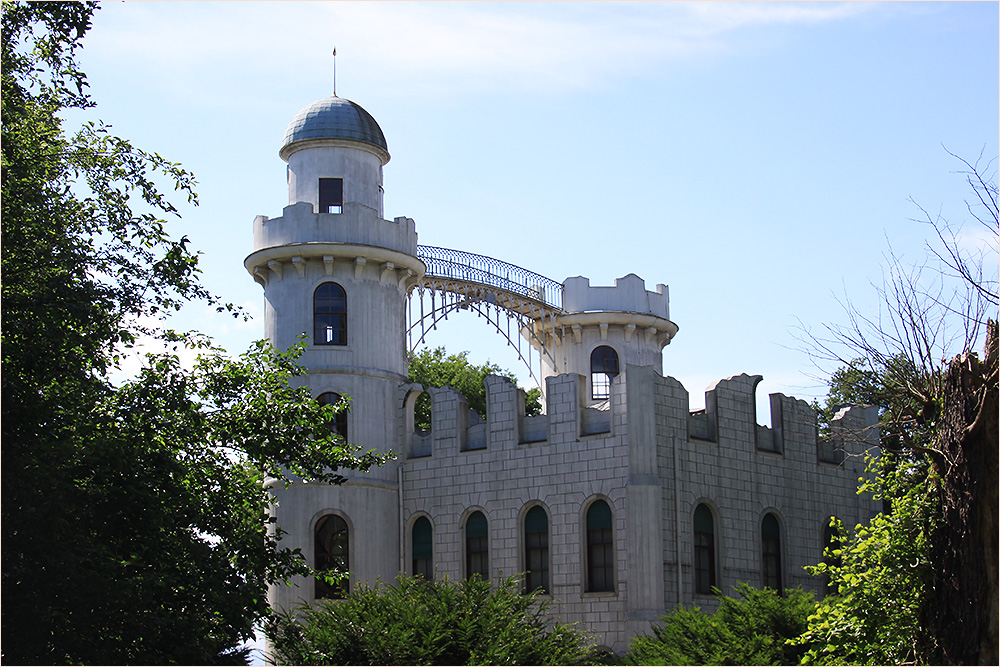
point(518, 303)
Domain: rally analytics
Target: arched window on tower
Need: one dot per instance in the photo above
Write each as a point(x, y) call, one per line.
point(330, 315)
point(339, 424)
point(477, 555)
point(331, 553)
point(770, 540)
point(704, 550)
point(422, 536)
point(603, 370)
point(600, 548)
point(536, 549)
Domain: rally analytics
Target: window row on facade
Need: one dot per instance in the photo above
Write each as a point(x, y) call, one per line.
point(706, 550)
point(332, 537)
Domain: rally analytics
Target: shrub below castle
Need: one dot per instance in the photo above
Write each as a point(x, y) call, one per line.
point(420, 622)
point(749, 630)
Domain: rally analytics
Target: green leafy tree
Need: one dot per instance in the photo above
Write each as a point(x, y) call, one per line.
point(135, 524)
point(752, 629)
point(420, 622)
point(437, 368)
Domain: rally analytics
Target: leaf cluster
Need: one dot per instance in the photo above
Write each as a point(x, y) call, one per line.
point(436, 368)
point(752, 629)
point(880, 575)
point(420, 622)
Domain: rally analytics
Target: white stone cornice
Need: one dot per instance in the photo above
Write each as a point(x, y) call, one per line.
point(275, 267)
point(300, 264)
point(330, 252)
point(359, 266)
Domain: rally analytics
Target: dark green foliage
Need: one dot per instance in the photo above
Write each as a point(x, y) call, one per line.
point(435, 368)
point(749, 630)
point(420, 622)
point(135, 524)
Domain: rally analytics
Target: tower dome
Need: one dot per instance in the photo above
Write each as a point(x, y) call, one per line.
point(333, 118)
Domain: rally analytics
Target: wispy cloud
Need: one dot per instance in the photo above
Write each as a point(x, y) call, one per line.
point(431, 47)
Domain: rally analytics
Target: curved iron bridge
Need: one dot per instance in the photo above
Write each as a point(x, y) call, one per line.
point(502, 293)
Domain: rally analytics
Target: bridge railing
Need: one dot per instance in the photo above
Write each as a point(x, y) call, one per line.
point(470, 267)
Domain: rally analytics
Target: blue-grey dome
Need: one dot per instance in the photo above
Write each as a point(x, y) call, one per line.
point(334, 118)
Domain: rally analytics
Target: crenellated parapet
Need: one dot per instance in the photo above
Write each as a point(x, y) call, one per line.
point(729, 420)
point(371, 248)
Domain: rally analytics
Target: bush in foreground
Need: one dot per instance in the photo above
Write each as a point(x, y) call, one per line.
point(749, 630)
point(420, 622)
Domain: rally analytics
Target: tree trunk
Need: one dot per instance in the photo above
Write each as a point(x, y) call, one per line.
point(960, 615)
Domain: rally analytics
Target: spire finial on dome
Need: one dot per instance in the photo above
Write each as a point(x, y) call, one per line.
point(335, 71)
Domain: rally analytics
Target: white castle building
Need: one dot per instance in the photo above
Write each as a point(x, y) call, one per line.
point(619, 501)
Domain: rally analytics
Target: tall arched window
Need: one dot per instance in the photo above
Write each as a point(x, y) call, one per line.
point(704, 550)
point(339, 424)
point(600, 548)
point(536, 549)
point(603, 370)
point(477, 556)
point(330, 315)
point(423, 548)
point(330, 551)
point(770, 540)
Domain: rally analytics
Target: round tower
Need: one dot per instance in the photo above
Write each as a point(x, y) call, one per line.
point(336, 273)
point(603, 329)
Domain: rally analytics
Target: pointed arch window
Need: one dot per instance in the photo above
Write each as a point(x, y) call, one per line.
point(331, 553)
point(770, 540)
point(704, 550)
point(600, 548)
point(339, 424)
point(330, 315)
point(603, 371)
point(477, 556)
point(422, 536)
point(536, 549)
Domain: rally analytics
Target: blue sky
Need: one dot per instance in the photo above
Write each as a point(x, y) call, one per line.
point(758, 158)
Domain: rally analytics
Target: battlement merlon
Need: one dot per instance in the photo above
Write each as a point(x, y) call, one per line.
point(629, 294)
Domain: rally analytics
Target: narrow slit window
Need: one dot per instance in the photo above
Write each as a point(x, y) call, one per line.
point(331, 195)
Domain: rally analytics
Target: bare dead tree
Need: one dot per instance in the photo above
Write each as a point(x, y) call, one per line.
point(922, 344)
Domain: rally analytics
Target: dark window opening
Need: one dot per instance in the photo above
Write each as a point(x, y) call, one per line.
point(331, 555)
point(476, 545)
point(704, 551)
point(331, 195)
point(536, 550)
point(423, 548)
point(770, 537)
point(603, 370)
point(600, 548)
point(330, 315)
point(831, 542)
point(339, 424)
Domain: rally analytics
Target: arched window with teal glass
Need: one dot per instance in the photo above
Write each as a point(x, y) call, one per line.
point(477, 555)
point(422, 536)
point(770, 540)
point(536, 549)
point(329, 315)
point(704, 550)
point(600, 548)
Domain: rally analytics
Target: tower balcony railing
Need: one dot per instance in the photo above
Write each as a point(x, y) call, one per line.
point(473, 268)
